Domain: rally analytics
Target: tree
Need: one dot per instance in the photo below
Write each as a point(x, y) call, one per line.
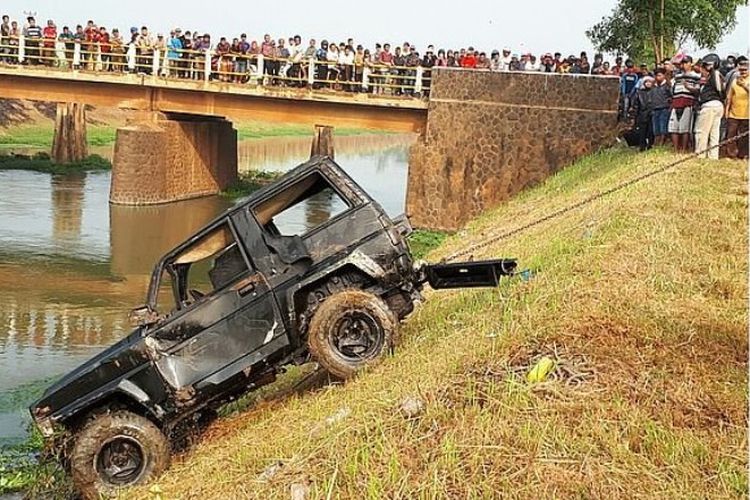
point(654, 29)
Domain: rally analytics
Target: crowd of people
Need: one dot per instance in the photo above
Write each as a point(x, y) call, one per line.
point(349, 66)
point(691, 104)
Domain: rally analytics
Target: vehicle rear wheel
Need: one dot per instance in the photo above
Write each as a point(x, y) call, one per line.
point(116, 450)
point(350, 330)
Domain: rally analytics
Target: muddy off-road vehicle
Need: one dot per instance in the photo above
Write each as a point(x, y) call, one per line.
point(247, 295)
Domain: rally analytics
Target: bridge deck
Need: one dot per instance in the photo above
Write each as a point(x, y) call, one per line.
point(145, 92)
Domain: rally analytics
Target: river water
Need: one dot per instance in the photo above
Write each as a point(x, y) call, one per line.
point(72, 266)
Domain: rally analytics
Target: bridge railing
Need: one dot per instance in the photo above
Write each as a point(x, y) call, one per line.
point(214, 66)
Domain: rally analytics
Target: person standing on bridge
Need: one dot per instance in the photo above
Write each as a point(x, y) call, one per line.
point(144, 51)
point(89, 47)
point(174, 46)
point(118, 51)
point(4, 38)
point(66, 37)
point(267, 49)
point(49, 33)
point(242, 54)
point(33, 35)
point(105, 48)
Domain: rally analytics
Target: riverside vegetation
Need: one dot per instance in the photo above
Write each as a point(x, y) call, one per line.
point(640, 301)
point(39, 135)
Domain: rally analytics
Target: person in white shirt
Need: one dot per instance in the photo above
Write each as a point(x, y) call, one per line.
point(533, 64)
point(505, 59)
point(346, 63)
point(333, 57)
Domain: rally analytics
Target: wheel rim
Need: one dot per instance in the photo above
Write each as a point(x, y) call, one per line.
point(120, 460)
point(356, 336)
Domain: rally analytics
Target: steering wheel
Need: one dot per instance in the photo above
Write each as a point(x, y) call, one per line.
point(196, 294)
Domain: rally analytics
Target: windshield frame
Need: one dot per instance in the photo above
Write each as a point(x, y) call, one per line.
point(166, 263)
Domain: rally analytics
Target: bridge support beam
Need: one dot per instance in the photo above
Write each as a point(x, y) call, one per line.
point(162, 158)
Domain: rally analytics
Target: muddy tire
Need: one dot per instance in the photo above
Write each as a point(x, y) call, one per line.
point(351, 329)
point(115, 450)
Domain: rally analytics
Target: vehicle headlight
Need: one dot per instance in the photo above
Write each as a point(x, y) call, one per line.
point(46, 427)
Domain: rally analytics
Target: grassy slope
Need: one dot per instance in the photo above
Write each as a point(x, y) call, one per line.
point(640, 297)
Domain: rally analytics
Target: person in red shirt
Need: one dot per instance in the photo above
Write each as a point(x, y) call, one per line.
point(88, 49)
point(49, 33)
point(105, 46)
point(386, 60)
point(470, 59)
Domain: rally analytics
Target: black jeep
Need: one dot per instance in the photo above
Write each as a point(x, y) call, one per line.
point(246, 295)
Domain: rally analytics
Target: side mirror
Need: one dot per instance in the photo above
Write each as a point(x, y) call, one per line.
point(142, 316)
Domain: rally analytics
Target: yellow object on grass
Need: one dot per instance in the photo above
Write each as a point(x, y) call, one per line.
point(541, 370)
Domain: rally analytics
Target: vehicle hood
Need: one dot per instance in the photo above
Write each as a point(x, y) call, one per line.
point(96, 373)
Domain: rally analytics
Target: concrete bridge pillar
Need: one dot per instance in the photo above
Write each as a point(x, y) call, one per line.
point(161, 158)
point(69, 143)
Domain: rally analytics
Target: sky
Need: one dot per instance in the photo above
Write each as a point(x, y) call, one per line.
point(534, 26)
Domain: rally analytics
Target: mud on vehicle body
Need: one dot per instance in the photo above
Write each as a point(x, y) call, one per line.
point(247, 294)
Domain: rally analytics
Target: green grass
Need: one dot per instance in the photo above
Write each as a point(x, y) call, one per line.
point(41, 162)
point(40, 135)
point(262, 130)
point(423, 241)
point(249, 182)
point(24, 468)
point(640, 299)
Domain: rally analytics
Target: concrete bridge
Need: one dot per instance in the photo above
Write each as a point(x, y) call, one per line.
point(484, 135)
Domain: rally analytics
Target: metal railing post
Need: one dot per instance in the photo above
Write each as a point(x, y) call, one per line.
point(131, 56)
point(207, 66)
point(365, 78)
point(99, 64)
point(21, 48)
point(311, 72)
point(60, 57)
point(155, 62)
point(259, 69)
point(76, 55)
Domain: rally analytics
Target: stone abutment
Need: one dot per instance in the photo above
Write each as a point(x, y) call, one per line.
point(490, 135)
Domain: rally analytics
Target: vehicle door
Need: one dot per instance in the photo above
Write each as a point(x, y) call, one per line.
point(227, 317)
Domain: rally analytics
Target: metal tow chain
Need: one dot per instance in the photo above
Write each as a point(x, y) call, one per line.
point(587, 200)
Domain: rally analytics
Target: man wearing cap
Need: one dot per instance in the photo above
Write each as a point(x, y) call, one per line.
point(710, 109)
point(685, 86)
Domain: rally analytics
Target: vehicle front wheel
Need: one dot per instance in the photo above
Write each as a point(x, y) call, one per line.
point(351, 329)
point(116, 450)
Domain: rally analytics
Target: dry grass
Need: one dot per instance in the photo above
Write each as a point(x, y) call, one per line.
point(641, 298)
